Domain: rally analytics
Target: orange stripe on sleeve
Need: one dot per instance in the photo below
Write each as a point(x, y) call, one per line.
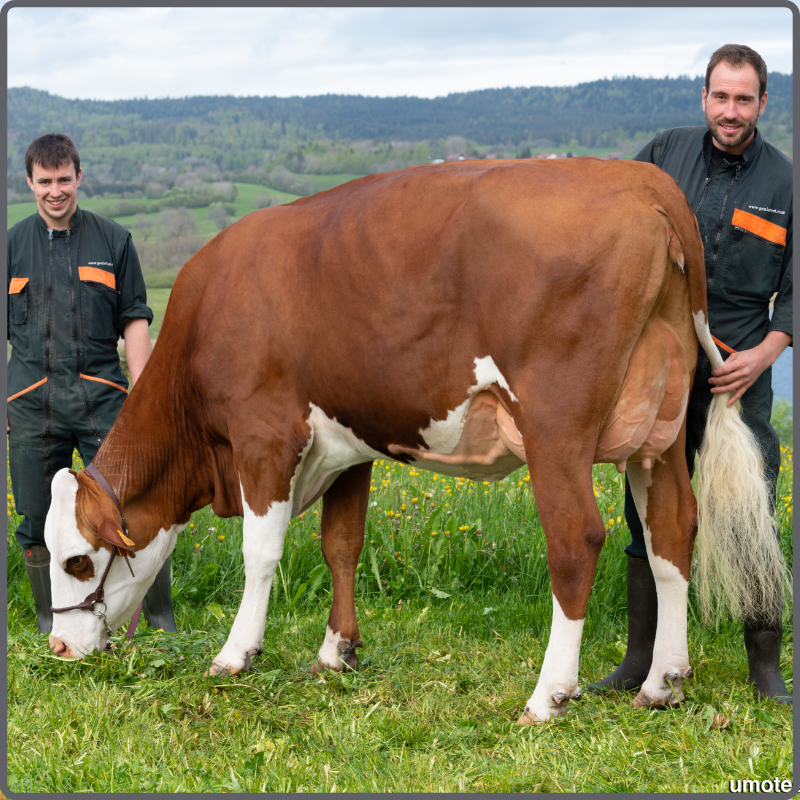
point(17, 285)
point(25, 391)
point(98, 276)
point(759, 226)
point(103, 380)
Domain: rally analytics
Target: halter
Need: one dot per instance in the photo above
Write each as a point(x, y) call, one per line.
point(96, 597)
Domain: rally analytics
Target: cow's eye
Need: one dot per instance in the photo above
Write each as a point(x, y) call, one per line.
point(80, 567)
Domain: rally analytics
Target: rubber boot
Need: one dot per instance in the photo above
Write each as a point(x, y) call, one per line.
point(642, 620)
point(157, 603)
point(37, 565)
point(763, 645)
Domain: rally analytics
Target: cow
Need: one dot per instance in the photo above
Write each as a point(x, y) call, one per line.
point(466, 318)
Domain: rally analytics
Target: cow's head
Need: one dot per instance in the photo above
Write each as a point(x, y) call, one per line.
point(81, 531)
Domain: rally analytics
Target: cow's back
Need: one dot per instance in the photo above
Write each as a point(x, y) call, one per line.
point(387, 288)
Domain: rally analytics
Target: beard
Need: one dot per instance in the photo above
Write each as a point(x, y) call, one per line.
point(725, 140)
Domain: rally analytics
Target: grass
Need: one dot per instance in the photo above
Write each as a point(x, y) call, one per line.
point(246, 194)
point(454, 607)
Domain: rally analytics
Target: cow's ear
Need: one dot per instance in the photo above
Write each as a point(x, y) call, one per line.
point(110, 532)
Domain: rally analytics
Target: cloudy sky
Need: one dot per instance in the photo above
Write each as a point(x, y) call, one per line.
point(113, 53)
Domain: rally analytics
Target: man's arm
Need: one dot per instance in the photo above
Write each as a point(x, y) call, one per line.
point(741, 369)
point(137, 347)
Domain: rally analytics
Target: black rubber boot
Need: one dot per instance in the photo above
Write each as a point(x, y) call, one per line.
point(157, 603)
point(763, 645)
point(642, 620)
point(37, 565)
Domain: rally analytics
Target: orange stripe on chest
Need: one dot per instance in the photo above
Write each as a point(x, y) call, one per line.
point(98, 276)
point(759, 226)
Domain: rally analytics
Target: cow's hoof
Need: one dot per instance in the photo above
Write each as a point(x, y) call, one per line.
point(668, 695)
point(349, 661)
point(663, 699)
point(232, 666)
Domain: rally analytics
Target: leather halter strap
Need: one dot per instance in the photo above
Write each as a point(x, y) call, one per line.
point(95, 597)
point(104, 485)
point(98, 594)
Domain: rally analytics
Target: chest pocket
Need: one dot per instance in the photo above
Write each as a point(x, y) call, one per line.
point(753, 258)
point(18, 292)
point(98, 304)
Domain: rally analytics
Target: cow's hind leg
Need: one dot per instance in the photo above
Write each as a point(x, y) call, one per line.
point(344, 510)
point(575, 535)
point(667, 508)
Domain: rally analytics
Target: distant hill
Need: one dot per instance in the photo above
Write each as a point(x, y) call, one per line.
point(145, 148)
point(510, 115)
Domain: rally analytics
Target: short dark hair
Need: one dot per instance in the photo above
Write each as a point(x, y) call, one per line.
point(737, 55)
point(51, 151)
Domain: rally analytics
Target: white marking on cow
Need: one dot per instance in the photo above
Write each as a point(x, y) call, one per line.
point(443, 436)
point(487, 373)
point(671, 649)
point(331, 449)
point(558, 679)
point(706, 342)
point(329, 653)
point(262, 548)
point(80, 631)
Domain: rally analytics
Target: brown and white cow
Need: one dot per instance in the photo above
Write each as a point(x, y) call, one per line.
point(467, 318)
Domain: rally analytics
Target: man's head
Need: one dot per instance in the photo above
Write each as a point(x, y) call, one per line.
point(734, 96)
point(54, 175)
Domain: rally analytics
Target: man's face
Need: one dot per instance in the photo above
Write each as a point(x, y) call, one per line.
point(56, 193)
point(732, 107)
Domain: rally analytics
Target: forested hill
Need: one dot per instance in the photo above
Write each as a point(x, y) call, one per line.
point(586, 113)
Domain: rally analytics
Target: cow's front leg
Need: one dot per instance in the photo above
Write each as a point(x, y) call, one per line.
point(344, 510)
point(262, 549)
point(575, 535)
point(667, 509)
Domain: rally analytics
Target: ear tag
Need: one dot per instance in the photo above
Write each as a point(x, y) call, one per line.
point(125, 539)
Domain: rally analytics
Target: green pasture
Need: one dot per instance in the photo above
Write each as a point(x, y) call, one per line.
point(246, 194)
point(454, 606)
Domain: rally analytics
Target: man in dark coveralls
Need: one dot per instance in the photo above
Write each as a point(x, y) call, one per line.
point(740, 189)
point(74, 286)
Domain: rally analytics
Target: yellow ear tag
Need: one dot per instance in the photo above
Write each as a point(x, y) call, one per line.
point(125, 539)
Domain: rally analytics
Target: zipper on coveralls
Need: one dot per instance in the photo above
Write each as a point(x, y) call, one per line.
point(76, 338)
point(48, 310)
point(720, 226)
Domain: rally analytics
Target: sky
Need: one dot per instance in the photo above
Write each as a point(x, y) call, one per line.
point(117, 53)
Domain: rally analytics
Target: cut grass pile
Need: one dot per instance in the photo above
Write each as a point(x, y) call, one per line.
point(454, 606)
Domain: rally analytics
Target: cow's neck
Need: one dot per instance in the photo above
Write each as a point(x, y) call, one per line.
point(146, 463)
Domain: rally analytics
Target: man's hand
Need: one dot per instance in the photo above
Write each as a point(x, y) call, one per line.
point(137, 347)
point(742, 369)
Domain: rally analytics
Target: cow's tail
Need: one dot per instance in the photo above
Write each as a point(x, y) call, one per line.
point(738, 566)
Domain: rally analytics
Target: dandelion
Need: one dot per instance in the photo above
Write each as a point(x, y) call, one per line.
point(414, 499)
point(619, 519)
point(403, 507)
point(211, 530)
point(434, 533)
point(221, 537)
point(314, 536)
point(464, 528)
point(390, 513)
point(486, 483)
point(197, 544)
